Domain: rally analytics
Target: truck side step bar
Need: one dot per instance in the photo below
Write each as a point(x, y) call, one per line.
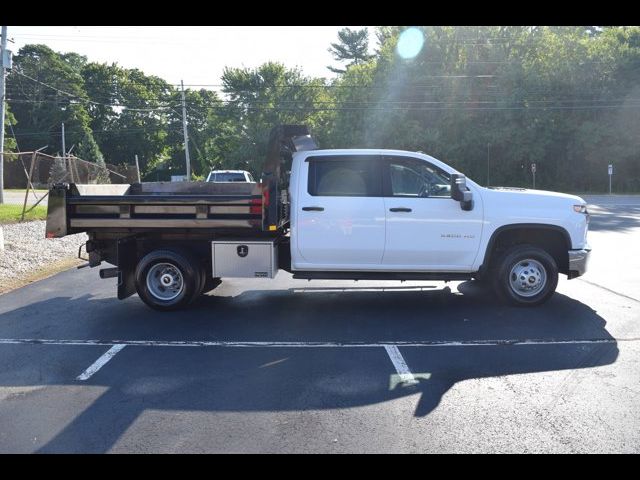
point(446, 276)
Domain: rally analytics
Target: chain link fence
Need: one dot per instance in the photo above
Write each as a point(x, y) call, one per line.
point(39, 170)
point(30, 171)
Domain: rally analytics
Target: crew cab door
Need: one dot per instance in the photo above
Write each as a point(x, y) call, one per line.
point(426, 229)
point(339, 213)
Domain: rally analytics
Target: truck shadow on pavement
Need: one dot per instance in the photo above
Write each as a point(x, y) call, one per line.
point(614, 219)
point(218, 380)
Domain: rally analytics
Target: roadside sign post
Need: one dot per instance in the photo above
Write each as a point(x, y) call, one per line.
point(533, 171)
point(610, 175)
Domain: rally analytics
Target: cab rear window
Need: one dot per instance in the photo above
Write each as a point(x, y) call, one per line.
point(345, 176)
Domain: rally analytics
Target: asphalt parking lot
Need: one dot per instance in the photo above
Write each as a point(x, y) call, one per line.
point(330, 366)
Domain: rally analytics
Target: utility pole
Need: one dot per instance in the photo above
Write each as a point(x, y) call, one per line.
point(64, 146)
point(487, 164)
point(186, 134)
point(64, 154)
point(137, 168)
point(3, 50)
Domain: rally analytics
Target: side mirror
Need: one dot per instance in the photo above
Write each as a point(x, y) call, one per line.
point(459, 191)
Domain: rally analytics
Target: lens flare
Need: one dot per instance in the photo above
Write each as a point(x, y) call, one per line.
point(410, 43)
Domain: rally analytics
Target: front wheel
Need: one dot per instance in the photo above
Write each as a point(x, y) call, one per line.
point(168, 279)
point(525, 276)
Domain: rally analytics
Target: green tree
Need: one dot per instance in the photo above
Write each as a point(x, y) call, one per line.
point(129, 114)
point(261, 98)
point(565, 98)
point(45, 89)
point(10, 144)
point(352, 46)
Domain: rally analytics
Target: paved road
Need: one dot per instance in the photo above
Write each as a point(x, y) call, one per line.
point(291, 366)
point(615, 222)
point(17, 198)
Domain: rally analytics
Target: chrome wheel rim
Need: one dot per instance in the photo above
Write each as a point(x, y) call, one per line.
point(164, 281)
point(527, 278)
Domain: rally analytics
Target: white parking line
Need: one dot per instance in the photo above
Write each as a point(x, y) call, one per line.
point(408, 343)
point(100, 362)
point(406, 377)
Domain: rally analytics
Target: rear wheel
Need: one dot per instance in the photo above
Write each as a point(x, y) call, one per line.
point(525, 275)
point(168, 279)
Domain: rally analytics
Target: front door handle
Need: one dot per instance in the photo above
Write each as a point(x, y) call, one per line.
point(313, 209)
point(400, 209)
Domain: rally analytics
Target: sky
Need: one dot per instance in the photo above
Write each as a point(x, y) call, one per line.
point(197, 54)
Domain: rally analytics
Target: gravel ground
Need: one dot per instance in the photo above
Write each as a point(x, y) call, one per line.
point(26, 249)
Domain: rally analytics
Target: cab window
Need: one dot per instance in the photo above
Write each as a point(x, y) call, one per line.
point(412, 177)
point(345, 176)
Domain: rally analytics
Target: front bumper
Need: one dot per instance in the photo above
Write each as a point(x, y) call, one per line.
point(578, 260)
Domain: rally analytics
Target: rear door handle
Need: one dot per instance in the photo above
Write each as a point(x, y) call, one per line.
point(313, 209)
point(400, 209)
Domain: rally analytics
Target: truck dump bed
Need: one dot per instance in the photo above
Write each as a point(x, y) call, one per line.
point(183, 206)
point(159, 205)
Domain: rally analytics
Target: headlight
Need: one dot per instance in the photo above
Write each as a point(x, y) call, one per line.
point(580, 209)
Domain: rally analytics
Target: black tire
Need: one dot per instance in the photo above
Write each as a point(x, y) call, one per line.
point(514, 274)
point(211, 283)
point(208, 282)
point(203, 280)
point(190, 275)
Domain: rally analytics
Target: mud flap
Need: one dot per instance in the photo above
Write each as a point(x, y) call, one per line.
point(127, 260)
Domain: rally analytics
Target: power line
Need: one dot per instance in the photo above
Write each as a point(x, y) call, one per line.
point(387, 86)
point(124, 107)
point(116, 131)
point(335, 85)
point(419, 106)
point(311, 102)
point(55, 102)
point(531, 97)
point(313, 86)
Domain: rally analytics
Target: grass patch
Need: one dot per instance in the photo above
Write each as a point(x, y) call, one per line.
point(11, 213)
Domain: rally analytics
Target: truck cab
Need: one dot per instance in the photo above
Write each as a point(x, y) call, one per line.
point(408, 214)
